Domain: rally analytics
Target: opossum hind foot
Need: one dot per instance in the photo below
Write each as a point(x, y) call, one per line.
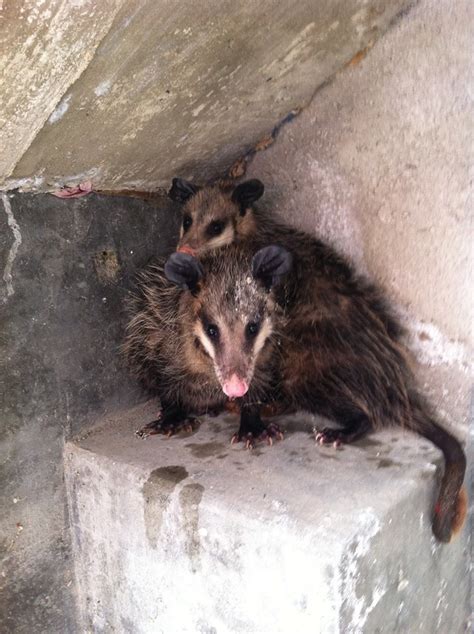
point(354, 428)
point(328, 436)
point(168, 426)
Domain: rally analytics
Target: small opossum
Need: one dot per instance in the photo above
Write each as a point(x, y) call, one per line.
point(340, 354)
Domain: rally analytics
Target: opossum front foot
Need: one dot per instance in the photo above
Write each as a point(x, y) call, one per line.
point(168, 428)
point(328, 436)
point(272, 431)
point(251, 438)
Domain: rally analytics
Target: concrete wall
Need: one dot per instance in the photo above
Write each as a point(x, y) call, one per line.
point(379, 165)
point(127, 92)
point(67, 266)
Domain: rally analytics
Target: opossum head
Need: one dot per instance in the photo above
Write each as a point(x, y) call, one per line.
point(214, 216)
point(233, 312)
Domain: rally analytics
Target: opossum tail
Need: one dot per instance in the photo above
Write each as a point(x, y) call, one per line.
point(451, 506)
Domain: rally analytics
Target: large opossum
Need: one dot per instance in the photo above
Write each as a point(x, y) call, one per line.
point(340, 352)
point(196, 349)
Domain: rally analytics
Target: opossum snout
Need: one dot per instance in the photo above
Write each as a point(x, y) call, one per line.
point(235, 387)
point(186, 249)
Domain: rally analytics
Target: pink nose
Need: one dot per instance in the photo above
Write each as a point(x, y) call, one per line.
point(235, 387)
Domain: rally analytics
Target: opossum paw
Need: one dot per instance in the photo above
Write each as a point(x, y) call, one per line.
point(328, 436)
point(251, 439)
point(271, 432)
point(168, 428)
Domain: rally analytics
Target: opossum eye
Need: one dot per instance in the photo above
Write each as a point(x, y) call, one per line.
point(212, 331)
point(187, 222)
point(215, 228)
point(252, 329)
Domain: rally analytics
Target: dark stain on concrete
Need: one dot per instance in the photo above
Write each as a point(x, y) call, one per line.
point(215, 427)
point(424, 336)
point(327, 456)
point(366, 443)
point(384, 463)
point(190, 497)
point(106, 266)
point(157, 492)
point(206, 450)
point(172, 474)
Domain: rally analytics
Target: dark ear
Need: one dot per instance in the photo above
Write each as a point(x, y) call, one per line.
point(247, 193)
point(182, 190)
point(270, 264)
point(184, 271)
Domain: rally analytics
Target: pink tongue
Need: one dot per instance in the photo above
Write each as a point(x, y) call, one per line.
point(235, 387)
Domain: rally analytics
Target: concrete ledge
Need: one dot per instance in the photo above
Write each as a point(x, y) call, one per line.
point(191, 534)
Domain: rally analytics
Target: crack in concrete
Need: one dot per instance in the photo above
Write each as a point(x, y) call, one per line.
point(12, 223)
point(238, 169)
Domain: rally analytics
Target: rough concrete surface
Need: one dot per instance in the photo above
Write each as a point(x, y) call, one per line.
point(66, 266)
point(378, 164)
point(192, 534)
point(171, 88)
point(44, 48)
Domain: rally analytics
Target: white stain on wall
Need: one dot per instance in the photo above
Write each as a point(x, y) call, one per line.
point(60, 110)
point(12, 223)
point(103, 88)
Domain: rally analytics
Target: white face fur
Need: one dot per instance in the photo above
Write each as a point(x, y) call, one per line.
point(210, 221)
point(214, 216)
point(232, 327)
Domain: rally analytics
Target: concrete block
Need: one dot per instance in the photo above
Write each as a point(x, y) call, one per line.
point(192, 534)
point(172, 88)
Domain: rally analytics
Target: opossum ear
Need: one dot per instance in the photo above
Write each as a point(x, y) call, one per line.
point(184, 271)
point(247, 193)
point(270, 264)
point(182, 190)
